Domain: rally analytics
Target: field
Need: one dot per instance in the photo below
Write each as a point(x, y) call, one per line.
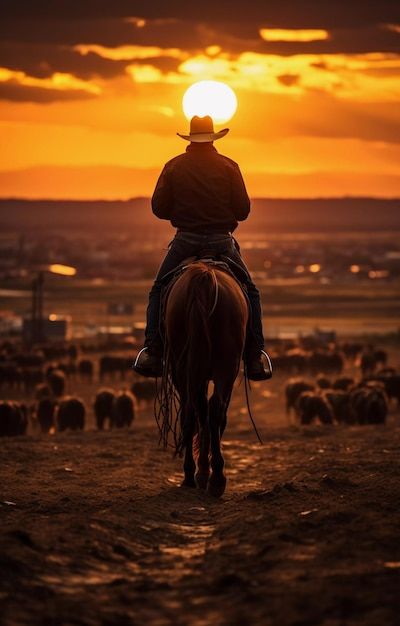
point(96, 530)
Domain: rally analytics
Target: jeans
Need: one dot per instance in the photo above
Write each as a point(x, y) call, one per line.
point(187, 244)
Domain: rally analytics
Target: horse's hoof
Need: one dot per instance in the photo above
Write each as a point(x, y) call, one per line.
point(201, 480)
point(216, 485)
point(188, 482)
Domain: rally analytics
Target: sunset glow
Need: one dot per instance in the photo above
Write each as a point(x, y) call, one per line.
point(209, 97)
point(318, 107)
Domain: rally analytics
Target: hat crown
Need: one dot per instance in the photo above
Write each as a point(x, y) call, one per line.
point(200, 125)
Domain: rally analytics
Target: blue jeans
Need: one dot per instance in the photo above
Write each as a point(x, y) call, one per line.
point(186, 244)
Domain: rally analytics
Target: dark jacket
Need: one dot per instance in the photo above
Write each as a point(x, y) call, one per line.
point(201, 190)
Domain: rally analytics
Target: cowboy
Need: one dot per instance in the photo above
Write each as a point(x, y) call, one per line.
point(204, 196)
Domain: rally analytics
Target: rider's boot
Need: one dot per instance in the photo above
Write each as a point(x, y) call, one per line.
point(258, 365)
point(149, 361)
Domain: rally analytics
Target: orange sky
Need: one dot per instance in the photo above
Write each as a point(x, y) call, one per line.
point(81, 118)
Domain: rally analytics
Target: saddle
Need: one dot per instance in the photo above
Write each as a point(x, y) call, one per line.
point(221, 262)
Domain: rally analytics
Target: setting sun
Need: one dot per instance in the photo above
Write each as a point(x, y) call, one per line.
point(210, 97)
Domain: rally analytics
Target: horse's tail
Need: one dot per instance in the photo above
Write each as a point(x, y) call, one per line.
point(195, 359)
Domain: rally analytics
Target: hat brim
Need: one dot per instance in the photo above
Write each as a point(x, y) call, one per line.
point(203, 137)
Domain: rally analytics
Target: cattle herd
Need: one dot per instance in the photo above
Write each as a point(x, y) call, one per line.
point(330, 396)
point(42, 376)
point(343, 383)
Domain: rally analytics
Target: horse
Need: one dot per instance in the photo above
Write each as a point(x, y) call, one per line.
point(205, 315)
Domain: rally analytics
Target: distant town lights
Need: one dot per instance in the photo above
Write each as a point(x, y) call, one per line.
point(65, 270)
point(354, 269)
point(315, 268)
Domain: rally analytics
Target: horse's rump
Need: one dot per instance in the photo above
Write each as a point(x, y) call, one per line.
point(206, 316)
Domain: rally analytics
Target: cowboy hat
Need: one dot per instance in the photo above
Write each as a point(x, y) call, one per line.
point(202, 129)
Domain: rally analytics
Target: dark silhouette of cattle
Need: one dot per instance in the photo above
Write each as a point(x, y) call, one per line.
point(42, 391)
point(368, 404)
point(73, 351)
point(391, 384)
point(323, 382)
point(310, 406)
point(371, 359)
point(144, 390)
point(113, 367)
point(45, 414)
point(326, 362)
point(343, 383)
point(339, 400)
point(103, 407)
point(13, 419)
point(23, 359)
point(10, 375)
point(86, 370)
point(123, 410)
point(293, 390)
point(56, 382)
point(352, 350)
point(71, 414)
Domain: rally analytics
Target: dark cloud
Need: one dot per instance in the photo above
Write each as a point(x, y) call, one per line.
point(15, 92)
point(106, 32)
point(288, 14)
point(42, 60)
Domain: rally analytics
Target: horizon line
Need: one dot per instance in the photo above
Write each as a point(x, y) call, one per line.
point(280, 198)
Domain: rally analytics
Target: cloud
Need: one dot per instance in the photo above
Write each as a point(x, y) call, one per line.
point(294, 34)
point(130, 52)
point(43, 60)
point(20, 86)
point(349, 77)
point(21, 93)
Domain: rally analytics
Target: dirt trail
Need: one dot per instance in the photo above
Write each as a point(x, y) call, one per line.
point(95, 530)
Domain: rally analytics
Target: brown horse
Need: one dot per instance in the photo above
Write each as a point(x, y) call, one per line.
point(205, 317)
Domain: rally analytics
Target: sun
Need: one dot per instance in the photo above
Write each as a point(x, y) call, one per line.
point(210, 97)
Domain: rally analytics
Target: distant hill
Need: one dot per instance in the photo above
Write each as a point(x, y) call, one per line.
point(267, 216)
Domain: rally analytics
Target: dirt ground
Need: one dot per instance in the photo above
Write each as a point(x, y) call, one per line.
point(96, 530)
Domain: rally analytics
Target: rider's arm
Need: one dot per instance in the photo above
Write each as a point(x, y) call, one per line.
point(240, 202)
point(161, 202)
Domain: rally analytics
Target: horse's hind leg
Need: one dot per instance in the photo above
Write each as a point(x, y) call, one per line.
point(189, 466)
point(217, 481)
point(203, 463)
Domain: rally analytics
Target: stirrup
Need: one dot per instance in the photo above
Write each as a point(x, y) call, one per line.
point(270, 368)
point(138, 356)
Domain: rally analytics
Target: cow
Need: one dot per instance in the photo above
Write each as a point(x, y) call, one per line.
point(71, 414)
point(102, 406)
point(294, 388)
point(144, 390)
point(45, 414)
point(123, 410)
point(13, 419)
point(311, 405)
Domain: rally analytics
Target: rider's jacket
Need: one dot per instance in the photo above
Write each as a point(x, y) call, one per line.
point(201, 190)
